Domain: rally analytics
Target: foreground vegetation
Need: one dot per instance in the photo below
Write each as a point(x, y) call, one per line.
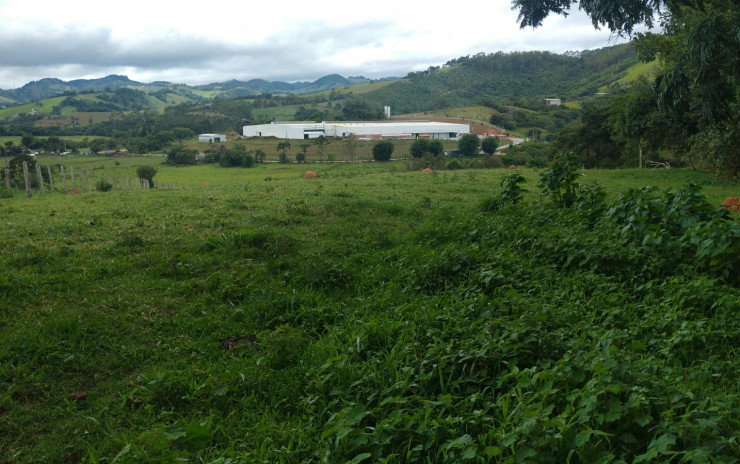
point(370, 315)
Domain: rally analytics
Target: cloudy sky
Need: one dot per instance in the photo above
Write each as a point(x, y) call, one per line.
point(219, 40)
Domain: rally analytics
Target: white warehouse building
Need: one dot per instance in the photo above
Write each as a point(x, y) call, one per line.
point(211, 138)
point(363, 130)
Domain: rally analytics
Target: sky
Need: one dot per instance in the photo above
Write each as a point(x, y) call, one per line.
point(220, 40)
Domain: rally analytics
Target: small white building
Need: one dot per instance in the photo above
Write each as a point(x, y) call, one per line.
point(212, 138)
point(362, 130)
point(553, 101)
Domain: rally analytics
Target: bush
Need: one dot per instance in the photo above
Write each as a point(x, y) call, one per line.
point(181, 156)
point(469, 144)
point(492, 162)
point(5, 192)
point(383, 150)
point(148, 173)
point(560, 182)
point(428, 160)
point(103, 186)
point(489, 145)
point(419, 147)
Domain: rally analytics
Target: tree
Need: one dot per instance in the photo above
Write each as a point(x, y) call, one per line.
point(435, 147)
point(591, 139)
point(163, 138)
point(383, 150)
point(182, 133)
point(259, 155)
point(698, 84)
point(180, 156)
point(27, 141)
point(489, 145)
point(320, 143)
point(419, 147)
point(97, 145)
point(350, 142)
point(468, 144)
point(283, 147)
point(11, 149)
point(148, 173)
point(304, 149)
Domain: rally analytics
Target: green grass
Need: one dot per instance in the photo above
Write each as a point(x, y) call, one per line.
point(370, 315)
point(634, 72)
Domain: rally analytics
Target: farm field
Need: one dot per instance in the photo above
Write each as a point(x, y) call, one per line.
point(372, 314)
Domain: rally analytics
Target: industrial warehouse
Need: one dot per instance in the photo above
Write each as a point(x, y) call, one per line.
point(362, 130)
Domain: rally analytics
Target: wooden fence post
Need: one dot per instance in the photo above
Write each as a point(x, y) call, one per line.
point(40, 178)
point(27, 179)
point(64, 178)
point(7, 174)
point(72, 175)
point(51, 179)
point(89, 185)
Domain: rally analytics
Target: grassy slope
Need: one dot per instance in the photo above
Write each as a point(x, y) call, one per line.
point(353, 322)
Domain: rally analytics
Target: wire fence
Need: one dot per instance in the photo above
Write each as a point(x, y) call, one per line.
point(57, 179)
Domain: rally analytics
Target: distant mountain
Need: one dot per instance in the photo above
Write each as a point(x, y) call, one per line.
point(52, 87)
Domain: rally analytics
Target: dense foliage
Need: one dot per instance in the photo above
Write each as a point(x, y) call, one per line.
point(696, 92)
point(383, 150)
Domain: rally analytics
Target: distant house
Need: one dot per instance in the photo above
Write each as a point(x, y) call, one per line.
point(553, 101)
point(212, 138)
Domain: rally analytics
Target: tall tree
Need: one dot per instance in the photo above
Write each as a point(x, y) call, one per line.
point(469, 144)
point(699, 80)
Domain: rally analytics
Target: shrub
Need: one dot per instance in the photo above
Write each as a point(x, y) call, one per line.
point(560, 181)
point(469, 144)
point(489, 145)
point(103, 186)
point(492, 161)
point(148, 173)
point(181, 156)
point(383, 150)
point(419, 147)
point(427, 160)
point(5, 192)
point(511, 192)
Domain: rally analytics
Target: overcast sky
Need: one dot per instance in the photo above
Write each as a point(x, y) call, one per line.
point(220, 40)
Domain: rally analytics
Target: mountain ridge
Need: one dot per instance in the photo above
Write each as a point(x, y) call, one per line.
point(52, 87)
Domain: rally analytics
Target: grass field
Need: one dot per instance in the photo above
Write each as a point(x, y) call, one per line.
point(373, 314)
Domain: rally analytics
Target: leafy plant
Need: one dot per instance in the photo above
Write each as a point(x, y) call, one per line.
point(560, 181)
point(103, 185)
point(511, 192)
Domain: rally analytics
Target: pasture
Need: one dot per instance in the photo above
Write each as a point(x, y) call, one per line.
point(372, 314)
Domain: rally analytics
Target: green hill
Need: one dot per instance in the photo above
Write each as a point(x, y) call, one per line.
point(500, 76)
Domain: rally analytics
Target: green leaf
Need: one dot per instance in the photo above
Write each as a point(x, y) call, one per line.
point(359, 458)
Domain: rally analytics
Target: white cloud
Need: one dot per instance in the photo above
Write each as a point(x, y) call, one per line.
point(222, 39)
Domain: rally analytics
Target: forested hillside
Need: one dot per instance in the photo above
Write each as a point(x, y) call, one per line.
point(499, 76)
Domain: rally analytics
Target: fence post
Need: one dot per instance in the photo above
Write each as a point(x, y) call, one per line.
point(7, 174)
point(27, 179)
point(89, 185)
point(64, 178)
point(74, 179)
point(51, 179)
point(40, 177)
